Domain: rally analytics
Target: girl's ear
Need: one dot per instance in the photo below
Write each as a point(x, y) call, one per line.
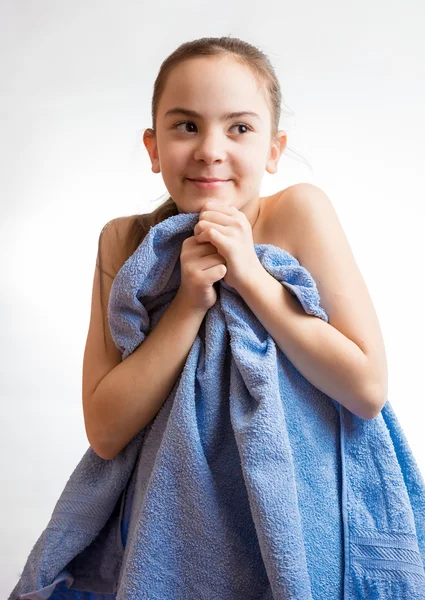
point(149, 140)
point(276, 149)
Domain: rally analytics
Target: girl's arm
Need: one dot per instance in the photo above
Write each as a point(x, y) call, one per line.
point(121, 397)
point(344, 358)
point(132, 393)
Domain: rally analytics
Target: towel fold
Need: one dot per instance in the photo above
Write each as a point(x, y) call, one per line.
point(249, 483)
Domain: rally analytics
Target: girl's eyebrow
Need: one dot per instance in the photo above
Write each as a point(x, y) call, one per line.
point(192, 113)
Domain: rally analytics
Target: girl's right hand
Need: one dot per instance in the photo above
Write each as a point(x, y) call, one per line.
point(201, 266)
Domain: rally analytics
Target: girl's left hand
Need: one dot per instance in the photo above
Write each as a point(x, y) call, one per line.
point(229, 230)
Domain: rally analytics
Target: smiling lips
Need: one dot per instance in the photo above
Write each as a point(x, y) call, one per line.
point(205, 183)
point(207, 179)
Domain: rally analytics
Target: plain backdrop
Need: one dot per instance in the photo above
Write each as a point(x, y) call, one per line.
point(76, 87)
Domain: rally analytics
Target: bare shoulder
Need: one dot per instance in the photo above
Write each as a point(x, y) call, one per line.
point(311, 227)
point(113, 244)
point(277, 223)
point(118, 226)
point(292, 206)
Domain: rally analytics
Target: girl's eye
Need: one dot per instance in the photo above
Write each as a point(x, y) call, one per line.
point(191, 123)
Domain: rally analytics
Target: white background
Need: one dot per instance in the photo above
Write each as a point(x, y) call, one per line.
point(76, 86)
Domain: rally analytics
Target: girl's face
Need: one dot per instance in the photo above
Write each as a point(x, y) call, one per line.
point(209, 144)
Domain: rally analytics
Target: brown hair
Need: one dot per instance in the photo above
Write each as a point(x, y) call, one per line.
point(242, 52)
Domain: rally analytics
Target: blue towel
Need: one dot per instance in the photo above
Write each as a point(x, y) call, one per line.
point(249, 484)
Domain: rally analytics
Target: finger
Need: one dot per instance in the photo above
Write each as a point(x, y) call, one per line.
point(219, 206)
point(210, 233)
point(212, 216)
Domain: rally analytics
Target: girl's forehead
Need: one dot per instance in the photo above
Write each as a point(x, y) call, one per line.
point(190, 85)
point(216, 68)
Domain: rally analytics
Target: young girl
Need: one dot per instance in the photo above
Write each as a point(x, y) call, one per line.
point(215, 111)
point(216, 107)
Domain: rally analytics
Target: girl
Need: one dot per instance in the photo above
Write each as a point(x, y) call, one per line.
point(215, 111)
point(216, 106)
